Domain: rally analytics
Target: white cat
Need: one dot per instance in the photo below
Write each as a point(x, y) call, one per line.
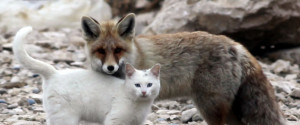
point(74, 95)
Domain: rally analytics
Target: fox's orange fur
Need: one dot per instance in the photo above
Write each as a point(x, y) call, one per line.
point(224, 80)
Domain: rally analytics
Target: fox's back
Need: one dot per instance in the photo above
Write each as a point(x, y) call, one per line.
point(186, 55)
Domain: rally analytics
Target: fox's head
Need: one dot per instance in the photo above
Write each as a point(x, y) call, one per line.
point(107, 43)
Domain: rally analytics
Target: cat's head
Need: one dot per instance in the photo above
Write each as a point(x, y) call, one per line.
point(143, 84)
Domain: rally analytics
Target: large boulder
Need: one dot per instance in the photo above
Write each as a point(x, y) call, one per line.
point(261, 25)
point(51, 14)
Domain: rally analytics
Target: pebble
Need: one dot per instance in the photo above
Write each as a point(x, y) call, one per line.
point(3, 106)
point(7, 46)
point(12, 106)
point(27, 123)
point(296, 94)
point(36, 90)
point(2, 101)
point(197, 117)
point(31, 101)
point(77, 64)
point(3, 91)
point(38, 109)
point(187, 115)
point(10, 85)
point(37, 98)
point(19, 111)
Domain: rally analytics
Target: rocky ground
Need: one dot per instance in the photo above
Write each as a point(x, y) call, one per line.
point(21, 93)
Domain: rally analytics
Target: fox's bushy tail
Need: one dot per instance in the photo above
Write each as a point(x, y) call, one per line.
point(44, 69)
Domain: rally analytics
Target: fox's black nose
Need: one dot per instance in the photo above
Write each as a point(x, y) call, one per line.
point(110, 68)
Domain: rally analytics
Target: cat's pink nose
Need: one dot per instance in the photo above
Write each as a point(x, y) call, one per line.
point(144, 93)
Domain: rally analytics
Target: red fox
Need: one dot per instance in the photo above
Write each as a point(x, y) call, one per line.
point(224, 80)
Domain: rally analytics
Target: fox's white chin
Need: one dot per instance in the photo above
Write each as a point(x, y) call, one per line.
point(107, 72)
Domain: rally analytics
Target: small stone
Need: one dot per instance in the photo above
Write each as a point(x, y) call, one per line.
point(3, 106)
point(26, 123)
point(16, 67)
point(173, 112)
point(161, 119)
point(12, 106)
point(7, 47)
point(187, 115)
point(174, 117)
point(15, 79)
point(3, 91)
point(19, 111)
point(186, 107)
point(162, 111)
point(36, 90)
point(10, 85)
point(77, 64)
point(4, 116)
point(295, 94)
point(292, 118)
point(31, 101)
point(291, 76)
point(2, 101)
point(35, 75)
point(197, 117)
point(22, 102)
point(37, 98)
point(148, 122)
point(39, 109)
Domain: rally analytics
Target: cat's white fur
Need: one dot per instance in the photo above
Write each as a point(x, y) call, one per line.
point(73, 95)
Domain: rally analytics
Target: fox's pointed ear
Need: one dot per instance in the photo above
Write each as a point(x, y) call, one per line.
point(129, 70)
point(155, 70)
point(126, 25)
point(90, 28)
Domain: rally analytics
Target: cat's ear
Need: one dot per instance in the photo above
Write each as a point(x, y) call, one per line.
point(129, 70)
point(90, 28)
point(155, 70)
point(126, 25)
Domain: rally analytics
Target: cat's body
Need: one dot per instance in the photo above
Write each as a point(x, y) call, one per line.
point(224, 80)
point(74, 95)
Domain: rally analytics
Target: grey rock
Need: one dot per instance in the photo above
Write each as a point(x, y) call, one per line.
point(9, 85)
point(2, 101)
point(197, 117)
point(296, 93)
point(12, 106)
point(188, 114)
point(36, 90)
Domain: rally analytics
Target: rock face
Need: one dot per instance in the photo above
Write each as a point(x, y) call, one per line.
point(58, 14)
point(256, 23)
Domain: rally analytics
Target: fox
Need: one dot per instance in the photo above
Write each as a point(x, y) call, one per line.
point(225, 82)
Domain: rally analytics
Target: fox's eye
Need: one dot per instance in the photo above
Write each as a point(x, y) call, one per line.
point(102, 51)
point(149, 84)
point(137, 85)
point(118, 50)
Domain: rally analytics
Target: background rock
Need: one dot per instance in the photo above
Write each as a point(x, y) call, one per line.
point(262, 26)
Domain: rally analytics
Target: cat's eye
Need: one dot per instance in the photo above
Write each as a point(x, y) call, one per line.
point(118, 50)
point(102, 51)
point(149, 84)
point(137, 85)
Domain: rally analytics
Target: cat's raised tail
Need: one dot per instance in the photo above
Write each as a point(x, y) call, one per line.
point(44, 69)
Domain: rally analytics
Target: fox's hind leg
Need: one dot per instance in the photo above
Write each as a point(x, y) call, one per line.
point(213, 91)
